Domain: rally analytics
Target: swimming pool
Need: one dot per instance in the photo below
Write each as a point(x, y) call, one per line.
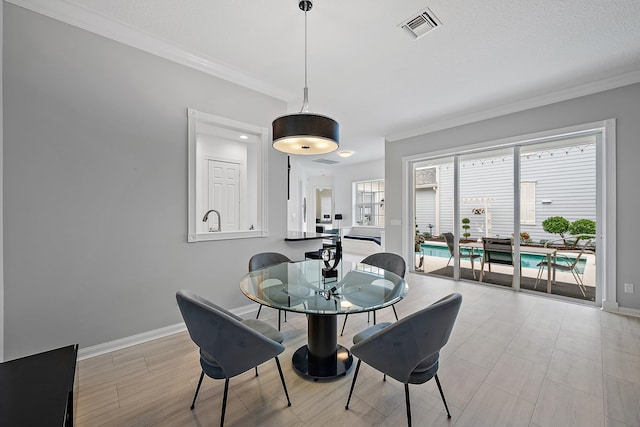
point(528, 260)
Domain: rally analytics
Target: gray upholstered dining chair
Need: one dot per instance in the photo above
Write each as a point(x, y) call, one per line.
point(408, 350)
point(228, 344)
point(263, 260)
point(389, 262)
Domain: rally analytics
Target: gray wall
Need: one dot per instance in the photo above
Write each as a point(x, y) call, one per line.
point(622, 104)
point(95, 187)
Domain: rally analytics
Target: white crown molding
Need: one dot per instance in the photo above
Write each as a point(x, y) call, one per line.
point(72, 14)
point(538, 101)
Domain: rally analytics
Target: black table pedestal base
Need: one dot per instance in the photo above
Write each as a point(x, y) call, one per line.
point(327, 368)
point(322, 357)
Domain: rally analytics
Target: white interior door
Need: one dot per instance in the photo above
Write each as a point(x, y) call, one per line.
point(224, 193)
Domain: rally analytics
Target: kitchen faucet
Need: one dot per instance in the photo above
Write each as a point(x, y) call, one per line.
point(206, 217)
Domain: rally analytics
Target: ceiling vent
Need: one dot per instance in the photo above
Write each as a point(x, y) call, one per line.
point(326, 161)
point(420, 24)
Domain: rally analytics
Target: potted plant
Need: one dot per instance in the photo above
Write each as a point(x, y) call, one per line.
point(466, 227)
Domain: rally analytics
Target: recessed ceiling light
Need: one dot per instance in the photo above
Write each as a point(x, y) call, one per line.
point(345, 153)
point(244, 137)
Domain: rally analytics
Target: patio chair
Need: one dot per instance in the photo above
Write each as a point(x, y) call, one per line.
point(464, 253)
point(567, 264)
point(496, 251)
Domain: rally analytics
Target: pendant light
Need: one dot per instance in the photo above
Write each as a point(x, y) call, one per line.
point(305, 133)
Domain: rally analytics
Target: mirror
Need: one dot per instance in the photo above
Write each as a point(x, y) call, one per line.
point(324, 209)
point(227, 169)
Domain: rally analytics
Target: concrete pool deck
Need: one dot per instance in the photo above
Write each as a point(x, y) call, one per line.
point(432, 263)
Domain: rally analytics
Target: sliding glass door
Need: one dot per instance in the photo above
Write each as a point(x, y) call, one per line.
point(538, 199)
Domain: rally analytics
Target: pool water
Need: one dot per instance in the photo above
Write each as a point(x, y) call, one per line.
point(528, 260)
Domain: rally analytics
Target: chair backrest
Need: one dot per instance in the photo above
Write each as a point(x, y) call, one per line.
point(266, 259)
point(387, 261)
point(407, 344)
point(448, 237)
point(499, 251)
point(584, 247)
point(222, 336)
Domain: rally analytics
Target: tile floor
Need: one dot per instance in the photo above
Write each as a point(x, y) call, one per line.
point(513, 359)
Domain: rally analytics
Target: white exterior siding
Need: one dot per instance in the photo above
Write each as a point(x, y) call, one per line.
point(567, 180)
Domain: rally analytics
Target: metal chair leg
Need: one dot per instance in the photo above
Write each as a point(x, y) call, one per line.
point(353, 384)
point(224, 401)
point(395, 312)
point(344, 324)
point(259, 308)
point(442, 395)
point(408, 402)
point(193, 404)
point(279, 314)
point(256, 371)
point(286, 393)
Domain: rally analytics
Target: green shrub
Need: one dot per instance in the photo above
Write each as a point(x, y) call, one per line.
point(582, 226)
point(556, 225)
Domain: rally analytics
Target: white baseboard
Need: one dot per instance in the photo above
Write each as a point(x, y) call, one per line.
point(614, 307)
point(119, 344)
point(629, 311)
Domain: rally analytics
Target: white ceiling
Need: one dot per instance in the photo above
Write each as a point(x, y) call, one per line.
point(375, 80)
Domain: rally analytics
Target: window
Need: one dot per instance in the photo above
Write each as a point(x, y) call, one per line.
point(369, 203)
point(528, 203)
point(227, 169)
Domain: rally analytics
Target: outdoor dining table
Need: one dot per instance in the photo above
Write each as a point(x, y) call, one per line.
point(302, 287)
point(550, 253)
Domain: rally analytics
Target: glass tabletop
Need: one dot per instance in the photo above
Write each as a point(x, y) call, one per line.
point(302, 287)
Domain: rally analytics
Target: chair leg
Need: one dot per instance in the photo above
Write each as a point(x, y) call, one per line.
point(353, 384)
point(344, 324)
point(538, 276)
point(395, 312)
point(279, 314)
point(442, 395)
point(408, 402)
point(193, 404)
point(286, 393)
point(256, 371)
point(224, 401)
point(579, 281)
point(374, 317)
point(259, 308)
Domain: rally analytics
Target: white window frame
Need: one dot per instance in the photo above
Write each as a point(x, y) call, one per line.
point(196, 121)
point(374, 211)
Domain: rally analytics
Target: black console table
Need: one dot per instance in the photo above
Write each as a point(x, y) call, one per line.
point(37, 390)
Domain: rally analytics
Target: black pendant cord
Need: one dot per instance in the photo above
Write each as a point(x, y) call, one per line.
point(288, 177)
point(305, 101)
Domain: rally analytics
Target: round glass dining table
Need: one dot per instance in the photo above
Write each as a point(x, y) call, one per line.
point(306, 287)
